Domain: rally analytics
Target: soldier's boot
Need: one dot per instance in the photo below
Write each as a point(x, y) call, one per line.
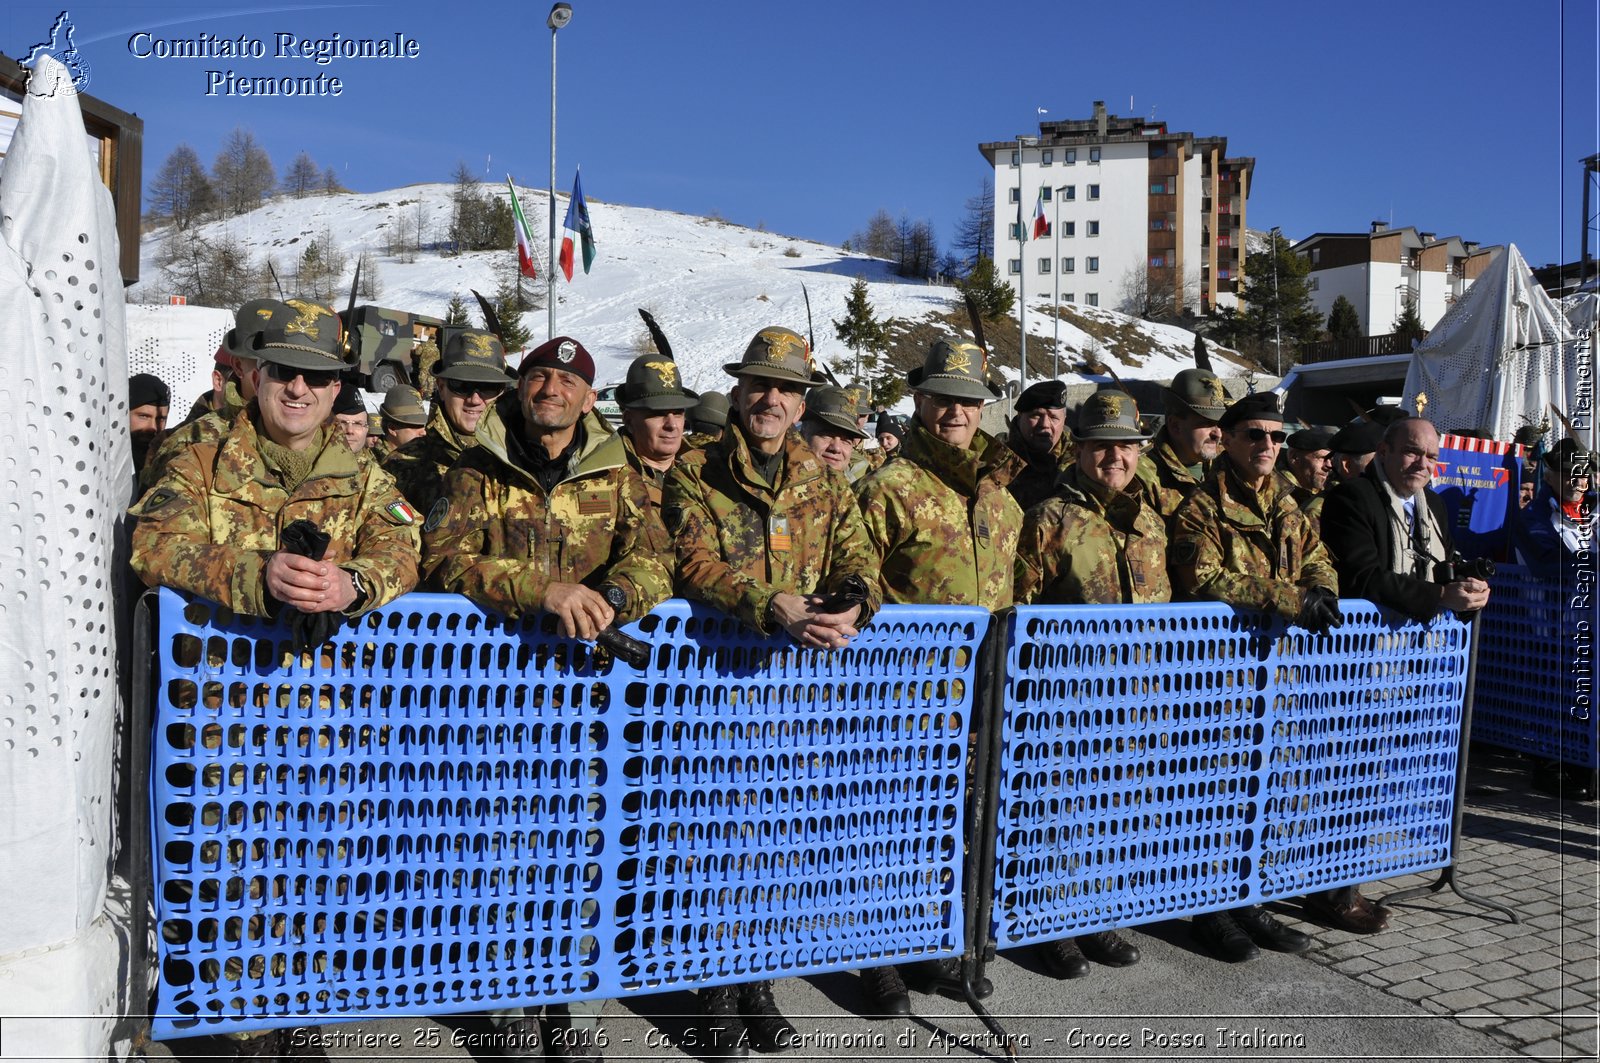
point(564, 1038)
point(1267, 932)
point(886, 992)
point(1063, 959)
point(724, 1035)
point(769, 1031)
point(1109, 948)
point(945, 977)
point(1223, 938)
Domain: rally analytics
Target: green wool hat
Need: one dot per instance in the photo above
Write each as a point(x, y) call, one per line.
point(1201, 391)
point(475, 356)
point(301, 334)
point(778, 353)
point(953, 370)
point(653, 384)
point(1109, 414)
point(402, 404)
point(836, 408)
point(711, 411)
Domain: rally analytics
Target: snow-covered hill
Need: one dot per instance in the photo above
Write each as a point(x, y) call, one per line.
point(710, 285)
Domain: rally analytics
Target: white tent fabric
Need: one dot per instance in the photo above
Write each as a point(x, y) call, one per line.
point(1581, 310)
point(1500, 356)
point(65, 477)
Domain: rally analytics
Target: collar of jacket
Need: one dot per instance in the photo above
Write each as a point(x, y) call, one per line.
point(800, 462)
point(334, 471)
point(962, 469)
point(1164, 454)
point(1240, 504)
point(450, 440)
point(602, 448)
point(1051, 458)
point(1078, 489)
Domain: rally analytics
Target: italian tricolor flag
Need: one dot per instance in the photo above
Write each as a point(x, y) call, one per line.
point(524, 237)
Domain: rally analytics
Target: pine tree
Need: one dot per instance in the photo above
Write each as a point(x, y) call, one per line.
point(455, 312)
point(1408, 323)
point(995, 297)
point(860, 330)
point(1344, 323)
point(513, 333)
point(1279, 306)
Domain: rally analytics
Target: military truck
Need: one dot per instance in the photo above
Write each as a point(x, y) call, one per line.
point(384, 342)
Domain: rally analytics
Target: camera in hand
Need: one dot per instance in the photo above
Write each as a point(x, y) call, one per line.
point(1458, 568)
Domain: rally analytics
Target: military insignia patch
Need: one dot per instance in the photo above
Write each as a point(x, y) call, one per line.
point(959, 360)
point(672, 517)
point(401, 513)
point(155, 502)
point(667, 371)
point(780, 345)
point(778, 538)
point(436, 515)
point(593, 504)
point(567, 352)
point(1184, 551)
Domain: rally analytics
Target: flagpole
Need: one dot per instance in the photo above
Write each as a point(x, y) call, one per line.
point(1055, 268)
point(560, 15)
point(1022, 274)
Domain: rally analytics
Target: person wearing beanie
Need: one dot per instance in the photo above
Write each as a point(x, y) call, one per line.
point(769, 535)
point(1037, 434)
point(943, 521)
point(890, 430)
point(707, 420)
point(1239, 538)
point(149, 402)
point(1308, 460)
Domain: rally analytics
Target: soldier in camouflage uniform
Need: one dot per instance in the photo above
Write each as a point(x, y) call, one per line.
point(545, 515)
point(654, 402)
point(1239, 538)
point(1037, 433)
point(866, 459)
point(944, 525)
point(1309, 462)
point(210, 525)
point(1188, 442)
point(765, 532)
point(425, 361)
point(471, 376)
point(707, 421)
point(401, 419)
point(829, 428)
point(1097, 541)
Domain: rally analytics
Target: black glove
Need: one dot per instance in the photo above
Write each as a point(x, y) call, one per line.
point(1319, 611)
point(308, 630)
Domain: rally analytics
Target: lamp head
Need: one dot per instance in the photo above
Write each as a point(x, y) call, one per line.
point(560, 15)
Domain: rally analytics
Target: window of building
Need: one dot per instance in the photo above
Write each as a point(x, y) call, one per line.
point(1069, 228)
point(1316, 255)
point(1069, 192)
point(1014, 194)
point(1046, 157)
point(1158, 261)
point(1044, 193)
point(1157, 224)
point(1069, 297)
point(1092, 264)
point(1094, 191)
point(1014, 230)
point(1222, 274)
point(1069, 156)
point(1313, 283)
point(1158, 151)
point(1044, 265)
point(1016, 158)
point(1014, 265)
point(1092, 299)
point(1068, 265)
point(1094, 228)
point(1224, 240)
point(1094, 156)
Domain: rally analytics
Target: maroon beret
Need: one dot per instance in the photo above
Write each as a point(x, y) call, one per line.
point(563, 352)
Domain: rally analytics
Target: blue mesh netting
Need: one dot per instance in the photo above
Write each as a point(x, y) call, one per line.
point(1535, 684)
point(1167, 760)
point(440, 811)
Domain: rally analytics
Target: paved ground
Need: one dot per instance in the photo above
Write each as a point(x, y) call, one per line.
point(1449, 981)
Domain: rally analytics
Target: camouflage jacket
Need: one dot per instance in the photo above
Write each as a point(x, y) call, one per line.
point(1310, 503)
point(1254, 550)
point(740, 542)
point(1036, 479)
point(1079, 548)
point(497, 537)
point(209, 425)
point(1166, 481)
point(654, 479)
point(419, 466)
point(214, 518)
point(943, 522)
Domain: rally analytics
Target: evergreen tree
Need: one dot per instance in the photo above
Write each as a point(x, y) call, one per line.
point(1408, 323)
point(860, 330)
point(995, 297)
point(513, 333)
point(1344, 323)
point(181, 190)
point(455, 312)
point(1279, 306)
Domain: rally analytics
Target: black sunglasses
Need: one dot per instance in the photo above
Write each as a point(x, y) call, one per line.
point(470, 387)
point(314, 378)
point(1256, 435)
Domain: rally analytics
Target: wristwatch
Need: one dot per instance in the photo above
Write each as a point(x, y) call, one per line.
point(615, 596)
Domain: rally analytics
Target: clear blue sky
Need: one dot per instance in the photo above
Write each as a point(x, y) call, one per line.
point(1461, 118)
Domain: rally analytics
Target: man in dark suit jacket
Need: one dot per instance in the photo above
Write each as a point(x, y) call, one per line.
point(1387, 531)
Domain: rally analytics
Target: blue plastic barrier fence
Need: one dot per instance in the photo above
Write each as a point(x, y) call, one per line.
point(1159, 761)
point(440, 811)
point(1536, 668)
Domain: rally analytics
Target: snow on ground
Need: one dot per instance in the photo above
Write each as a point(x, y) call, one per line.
point(711, 285)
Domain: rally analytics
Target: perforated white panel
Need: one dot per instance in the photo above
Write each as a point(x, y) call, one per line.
point(65, 477)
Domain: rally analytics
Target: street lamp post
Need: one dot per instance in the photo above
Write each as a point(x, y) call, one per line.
point(560, 15)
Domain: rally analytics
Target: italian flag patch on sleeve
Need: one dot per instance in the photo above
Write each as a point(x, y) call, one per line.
point(401, 512)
